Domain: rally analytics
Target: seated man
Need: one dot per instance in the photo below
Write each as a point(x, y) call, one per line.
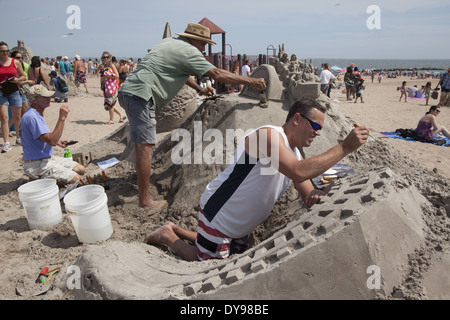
point(242, 196)
point(412, 91)
point(38, 142)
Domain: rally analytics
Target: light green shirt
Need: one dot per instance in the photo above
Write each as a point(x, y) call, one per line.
point(164, 71)
point(27, 66)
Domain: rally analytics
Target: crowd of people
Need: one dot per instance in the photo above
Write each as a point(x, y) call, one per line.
point(17, 78)
point(426, 91)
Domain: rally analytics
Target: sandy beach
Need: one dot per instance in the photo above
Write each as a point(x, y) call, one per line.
point(24, 252)
point(382, 112)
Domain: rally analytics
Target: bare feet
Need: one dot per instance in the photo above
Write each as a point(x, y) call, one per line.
point(162, 204)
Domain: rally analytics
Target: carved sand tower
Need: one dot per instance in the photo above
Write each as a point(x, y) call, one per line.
point(25, 51)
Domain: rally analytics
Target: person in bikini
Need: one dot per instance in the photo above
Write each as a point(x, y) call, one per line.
point(429, 127)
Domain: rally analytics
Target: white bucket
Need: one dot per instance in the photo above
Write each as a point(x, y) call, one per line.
point(88, 210)
point(41, 203)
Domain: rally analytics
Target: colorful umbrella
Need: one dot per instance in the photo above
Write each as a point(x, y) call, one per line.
point(336, 68)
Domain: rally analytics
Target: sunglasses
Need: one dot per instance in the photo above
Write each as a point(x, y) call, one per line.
point(313, 124)
point(105, 57)
point(4, 51)
point(18, 58)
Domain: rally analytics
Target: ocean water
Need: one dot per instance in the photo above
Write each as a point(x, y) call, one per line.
point(434, 65)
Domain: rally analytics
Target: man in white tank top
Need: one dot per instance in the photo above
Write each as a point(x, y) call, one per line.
point(242, 196)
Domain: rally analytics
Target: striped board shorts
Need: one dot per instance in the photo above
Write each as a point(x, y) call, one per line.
point(213, 244)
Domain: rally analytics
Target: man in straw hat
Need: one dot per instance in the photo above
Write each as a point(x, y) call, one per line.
point(38, 142)
point(156, 80)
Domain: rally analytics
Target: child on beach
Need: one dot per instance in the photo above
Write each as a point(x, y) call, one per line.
point(360, 90)
point(404, 91)
point(427, 91)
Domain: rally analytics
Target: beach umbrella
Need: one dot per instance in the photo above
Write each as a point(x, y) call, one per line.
point(336, 68)
point(167, 32)
point(352, 64)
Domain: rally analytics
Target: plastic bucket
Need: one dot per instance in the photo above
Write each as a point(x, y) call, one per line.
point(88, 210)
point(41, 203)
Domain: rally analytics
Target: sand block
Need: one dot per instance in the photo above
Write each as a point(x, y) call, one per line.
point(274, 89)
point(300, 90)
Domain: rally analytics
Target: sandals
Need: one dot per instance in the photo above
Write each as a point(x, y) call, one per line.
point(110, 122)
point(122, 119)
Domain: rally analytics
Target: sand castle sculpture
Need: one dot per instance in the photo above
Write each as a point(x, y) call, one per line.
point(26, 52)
point(373, 237)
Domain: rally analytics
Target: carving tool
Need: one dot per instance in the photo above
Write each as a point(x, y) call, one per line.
point(41, 277)
point(356, 126)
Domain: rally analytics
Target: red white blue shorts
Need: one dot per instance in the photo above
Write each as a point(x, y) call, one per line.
point(213, 244)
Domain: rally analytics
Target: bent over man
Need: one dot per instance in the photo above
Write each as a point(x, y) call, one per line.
point(242, 196)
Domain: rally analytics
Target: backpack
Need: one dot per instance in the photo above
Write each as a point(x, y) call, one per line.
point(62, 85)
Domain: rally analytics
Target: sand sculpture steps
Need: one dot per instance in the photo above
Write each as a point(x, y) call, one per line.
point(286, 254)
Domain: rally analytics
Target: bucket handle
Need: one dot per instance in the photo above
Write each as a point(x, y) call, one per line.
point(70, 212)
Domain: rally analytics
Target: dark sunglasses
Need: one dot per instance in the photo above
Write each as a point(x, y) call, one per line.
point(18, 58)
point(4, 51)
point(106, 57)
point(313, 124)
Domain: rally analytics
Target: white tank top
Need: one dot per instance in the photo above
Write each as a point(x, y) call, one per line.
point(243, 195)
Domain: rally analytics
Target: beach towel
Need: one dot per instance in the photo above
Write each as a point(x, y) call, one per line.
point(443, 142)
point(110, 91)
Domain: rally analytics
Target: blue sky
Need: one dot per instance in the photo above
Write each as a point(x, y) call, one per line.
point(413, 29)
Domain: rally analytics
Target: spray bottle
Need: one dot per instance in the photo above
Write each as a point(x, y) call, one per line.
point(68, 154)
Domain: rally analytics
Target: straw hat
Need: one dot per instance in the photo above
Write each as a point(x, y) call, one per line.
point(40, 91)
point(198, 32)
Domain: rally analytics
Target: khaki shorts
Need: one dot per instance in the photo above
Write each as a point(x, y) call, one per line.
point(141, 118)
point(58, 168)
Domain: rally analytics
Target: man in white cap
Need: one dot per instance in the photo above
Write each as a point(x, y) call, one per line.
point(156, 80)
point(80, 73)
point(69, 69)
point(38, 142)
